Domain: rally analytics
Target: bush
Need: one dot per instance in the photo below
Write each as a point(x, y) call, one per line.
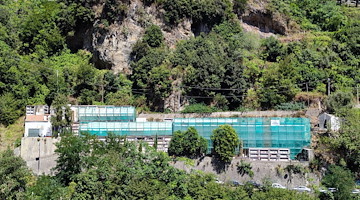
point(225, 141)
point(209, 12)
point(188, 143)
point(290, 106)
point(244, 168)
point(340, 178)
point(273, 49)
point(198, 108)
point(339, 101)
point(153, 36)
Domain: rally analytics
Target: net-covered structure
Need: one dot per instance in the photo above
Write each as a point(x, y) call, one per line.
point(292, 133)
point(128, 128)
point(106, 114)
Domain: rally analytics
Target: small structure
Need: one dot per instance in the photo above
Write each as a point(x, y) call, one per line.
point(37, 121)
point(269, 154)
point(329, 122)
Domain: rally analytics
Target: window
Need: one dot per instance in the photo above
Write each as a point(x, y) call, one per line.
point(33, 132)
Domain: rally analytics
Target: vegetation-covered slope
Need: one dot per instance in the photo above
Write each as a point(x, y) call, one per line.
point(44, 60)
point(222, 67)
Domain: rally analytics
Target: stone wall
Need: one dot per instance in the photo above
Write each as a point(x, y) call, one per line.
point(160, 117)
point(273, 171)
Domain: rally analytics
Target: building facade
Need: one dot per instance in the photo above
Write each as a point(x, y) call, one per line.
point(37, 121)
point(272, 138)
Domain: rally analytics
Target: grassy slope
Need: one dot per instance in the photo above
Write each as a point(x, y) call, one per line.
point(10, 136)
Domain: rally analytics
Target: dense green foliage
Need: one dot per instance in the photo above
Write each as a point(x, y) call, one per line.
point(116, 169)
point(244, 168)
point(14, 174)
point(225, 141)
point(207, 12)
point(43, 61)
point(339, 101)
point(339, 178)
point(222, 67)
point(290, 106)
point(198, 108)
point(346, 143)
point(188, 143)
point(310, 14)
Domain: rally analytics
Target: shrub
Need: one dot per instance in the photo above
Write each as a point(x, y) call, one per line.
point(338, 101)
point(225, 141)
point(198, 108)
point(153, 36)
point(188, 143)
point(209, 12)
point(290, 106)
point(273, 49)
point(245, 168)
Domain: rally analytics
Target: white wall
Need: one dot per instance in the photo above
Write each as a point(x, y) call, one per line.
point(327, 121)
point(45, 128)
point(335, 123)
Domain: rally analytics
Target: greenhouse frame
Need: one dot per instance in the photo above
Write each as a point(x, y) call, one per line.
point(275, 132)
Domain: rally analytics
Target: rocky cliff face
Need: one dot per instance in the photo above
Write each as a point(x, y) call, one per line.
point(259, 14)
point(112, 45)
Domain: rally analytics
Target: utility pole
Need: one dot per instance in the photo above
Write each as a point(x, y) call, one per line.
point(57, 81)
point(102, 88)
point(357, 94)
point(39, 157)
point(328, 86)
point(174, 98)
point(102, 92)
point(307, 91)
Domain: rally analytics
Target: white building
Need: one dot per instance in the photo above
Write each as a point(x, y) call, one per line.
point(37, 121)
point(329, 122)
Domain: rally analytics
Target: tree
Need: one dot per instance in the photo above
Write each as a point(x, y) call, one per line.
point(14, 176)
point(273, 49)
point(274, 193)
point(339, 102)
point(72, 151)
point(159, 85)
point(153, 36)
point(225, 141)
point(48, 187)
point(347, 142)
point(9, 109)
point(61, 121)
point(188, 143)
point(340, 178)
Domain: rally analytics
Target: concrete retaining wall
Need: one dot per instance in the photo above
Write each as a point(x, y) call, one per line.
point(272, 171)
point(155, 117)
point(39, 153)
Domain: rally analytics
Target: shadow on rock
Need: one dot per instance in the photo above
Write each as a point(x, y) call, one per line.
point(219, 165)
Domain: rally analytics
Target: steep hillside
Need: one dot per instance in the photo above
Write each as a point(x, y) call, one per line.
point(164, 55)
point(10, 136)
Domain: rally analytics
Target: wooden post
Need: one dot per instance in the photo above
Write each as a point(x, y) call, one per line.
point(328, 86)
point(357, 94)
point(307, 91)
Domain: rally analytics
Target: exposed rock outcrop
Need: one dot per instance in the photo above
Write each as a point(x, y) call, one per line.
point(112, 45)
point(258, 14)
